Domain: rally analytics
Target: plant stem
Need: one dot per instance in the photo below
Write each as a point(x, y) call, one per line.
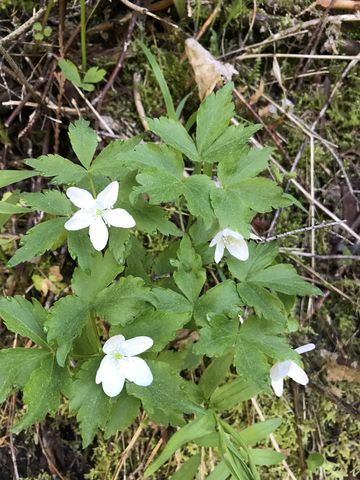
point(92, 186)
point(83, 35)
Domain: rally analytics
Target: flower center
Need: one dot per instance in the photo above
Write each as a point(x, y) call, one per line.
point(228, 240)
point(98, 212)
point(118, 356)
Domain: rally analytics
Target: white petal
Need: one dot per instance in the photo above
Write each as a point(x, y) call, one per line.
point(239, 250)
point(113, 344)
point(278, 386)
point(280, 370)
point(232, 233)
point(136, 345)
point(107, 198)
point(118, 217)
point(136, 370)
point(219, 251)
point(102, 369)
point(80, 197)
point(98, 234)
point(109, 374)
point(81, 219)
point(298, 374)
point(305, 348)
point(217, 238)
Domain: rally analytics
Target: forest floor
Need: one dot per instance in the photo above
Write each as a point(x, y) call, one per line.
point(297, 73)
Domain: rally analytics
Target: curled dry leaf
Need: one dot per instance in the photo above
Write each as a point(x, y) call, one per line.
point(339, 4)
point(208, 71)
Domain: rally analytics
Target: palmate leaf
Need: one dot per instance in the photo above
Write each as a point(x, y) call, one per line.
point(218, 337)
point(48, 201)
point(196, 190)
point(38, 239)
point(25, 318)
point(159, 157)
point(113, 158)
point(8, 177)
point(62, 169)
point(83, 140)
point(80, 248)
point(16, 366)
point(42, 392)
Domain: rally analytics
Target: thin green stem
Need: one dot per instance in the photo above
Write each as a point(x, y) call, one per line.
point(83, 34)
point(92, 186)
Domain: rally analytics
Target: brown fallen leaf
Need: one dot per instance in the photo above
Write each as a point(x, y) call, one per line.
point(341, 373)
point(339, 4)
point(255, 97)
point(208, 71)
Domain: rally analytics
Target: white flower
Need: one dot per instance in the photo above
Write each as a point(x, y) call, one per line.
point(97, 213)
point(233, 242)
point(288, 368)
point(120, 364)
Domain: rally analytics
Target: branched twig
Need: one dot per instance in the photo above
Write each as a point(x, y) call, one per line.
point(304, 229)
point(23, 28)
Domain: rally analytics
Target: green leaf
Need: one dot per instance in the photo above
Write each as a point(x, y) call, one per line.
point(151, 218)
point(123, 410)
point(16, 366)
point(42, 392)
point(214, 116)
point(113, 158)
point(220, 472)
point(160, 187)
point(167, 397)
point(94, 75)
point(218, 337)
point(260, 256)
point(70, 71)
point(230, 211)
point(284, 278)
point(265, 457)
point(157, 156)
point(190, 276)
point(161, 81)
point(235, 460)
point(259, 431)
point(38, 239)
point(102, 271)
point(83, 140)
point(48, 201)
point(24, 318)
point(234, 169)
point(215, 374)
point(62, 169)
point(233, 393)
point(68, 317)
point(196, 190)
point(188, 470)
point(197, 428)
point(118, 241)
point(222, 299)
point(122, 302)
point(265, 303)
point(174, 134)
point(314, 461)
point(7, 177)
point(229, 144)
point(259, 194)
point(10, 208)
point(80, 248)
point(88, 400)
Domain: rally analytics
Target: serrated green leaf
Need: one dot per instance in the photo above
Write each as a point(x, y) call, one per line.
point(38, 239)
point(264, 456)
point(190, 276)
point(222, 299)
point(259, 431)
point(48, 201)
point(70, 71)
point(24, 318)
point(196, 190)
point(174, 134)
point(166, 299)
point(260, 256)
point(151, 218)
point(157, 156)
point(62, 169)
point(160, 187)
point(199, 427)
point(16, 366)
point(80, 248)
point(259, 194)
point(123, 410)
point(83, 140)
point(102, 271)
point(11, 209)
point(284, 278)
point(68, 317)
point(233, 393)
point(167, 397)
point(215, 374)
point(236, 168)
point(8, 177)
point(122, 302)
point(230, 210)
point(229, 144)
point(94, 75)
point(42, 392)
point(213, 117)
point(218, 337)
point(188, 470)
point(114, 158)
point(88, 400)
